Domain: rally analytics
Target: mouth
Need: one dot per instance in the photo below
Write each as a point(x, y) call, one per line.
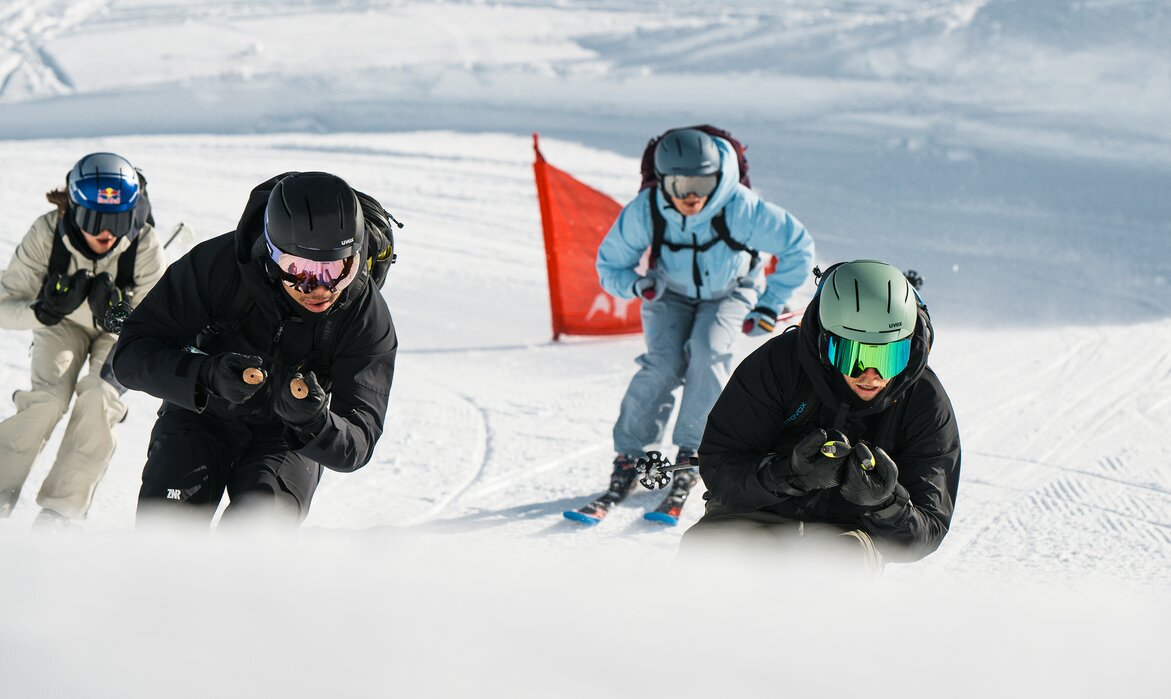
point(315, 305)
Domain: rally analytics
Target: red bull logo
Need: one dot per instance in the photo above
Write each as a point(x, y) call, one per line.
point(109, 195)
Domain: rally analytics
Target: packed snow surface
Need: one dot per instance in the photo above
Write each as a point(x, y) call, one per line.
point(1016, 154)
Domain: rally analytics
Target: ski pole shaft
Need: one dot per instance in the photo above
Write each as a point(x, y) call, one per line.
point(178, 230)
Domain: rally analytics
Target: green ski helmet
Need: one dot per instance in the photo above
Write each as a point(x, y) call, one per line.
point(868, 312)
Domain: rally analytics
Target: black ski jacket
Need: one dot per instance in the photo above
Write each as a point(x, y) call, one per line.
point(782, 392)
point(351, 347)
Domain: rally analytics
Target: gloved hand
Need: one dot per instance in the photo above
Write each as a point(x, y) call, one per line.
point(759, 321)
point(650, 288)
point(107, 304)
point(61, 295)
point(223, 375)
point(305, 415)
point(871, 477)
point(817, 463)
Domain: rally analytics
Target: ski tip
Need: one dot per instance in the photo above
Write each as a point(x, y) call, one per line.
point(662, 518)
point(575, 516)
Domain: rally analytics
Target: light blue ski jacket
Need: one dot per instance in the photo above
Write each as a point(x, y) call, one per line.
point(751, 221)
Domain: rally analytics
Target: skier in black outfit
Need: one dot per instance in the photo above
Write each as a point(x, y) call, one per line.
point(836, 433)
point(289, 292)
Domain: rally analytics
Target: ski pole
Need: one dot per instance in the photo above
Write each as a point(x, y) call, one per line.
point(297, 386)
point(180, 228)
point(656, 470)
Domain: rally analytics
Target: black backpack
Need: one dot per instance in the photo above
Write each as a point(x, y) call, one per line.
point(59, 255)
point(659, 225)
point(380, 255)
point(651, 179)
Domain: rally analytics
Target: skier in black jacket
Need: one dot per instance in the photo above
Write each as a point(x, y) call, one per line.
point(288, 292)
point(837, 427)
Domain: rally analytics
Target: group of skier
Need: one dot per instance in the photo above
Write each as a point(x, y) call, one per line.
point(271, 346)
point(835, 435)
point(273, 352)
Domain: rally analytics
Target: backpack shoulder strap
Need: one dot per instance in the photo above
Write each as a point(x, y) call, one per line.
point(720, 224)
point(239, 304)
point(658, 228)
point(126, 262)
point(59, 254)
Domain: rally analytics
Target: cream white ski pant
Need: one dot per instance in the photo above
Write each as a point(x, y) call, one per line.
point(58, 354)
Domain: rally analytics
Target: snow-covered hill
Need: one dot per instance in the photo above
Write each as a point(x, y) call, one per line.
point(1015, 153)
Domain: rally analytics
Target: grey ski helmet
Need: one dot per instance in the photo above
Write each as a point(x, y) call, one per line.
point(314, 215)
point(104, 193)
point(868, 301)
point(686, 152)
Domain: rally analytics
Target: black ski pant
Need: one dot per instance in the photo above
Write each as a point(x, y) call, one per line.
point(766, 535)
point(194, 459)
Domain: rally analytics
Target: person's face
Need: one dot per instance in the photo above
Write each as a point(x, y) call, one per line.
point(317, 301)
point(689, 205)
point(866, 385)
point(101, 243)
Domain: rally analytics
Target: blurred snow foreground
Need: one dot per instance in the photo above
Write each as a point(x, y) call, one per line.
point(383, 614)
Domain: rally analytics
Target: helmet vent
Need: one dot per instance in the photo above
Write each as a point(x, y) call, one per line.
point(341, 213)
point(889, 295)
point(857, 297)
point(309, 213)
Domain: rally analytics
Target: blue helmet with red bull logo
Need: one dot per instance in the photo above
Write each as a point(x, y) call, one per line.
point(104, 193)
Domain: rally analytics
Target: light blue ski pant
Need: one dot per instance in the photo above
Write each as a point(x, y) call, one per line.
point(689, 342)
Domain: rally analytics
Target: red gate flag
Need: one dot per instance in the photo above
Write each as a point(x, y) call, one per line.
point(575, 217)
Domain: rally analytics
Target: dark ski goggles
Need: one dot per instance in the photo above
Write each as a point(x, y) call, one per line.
point(852, 358)
point(679, 186)
point(119, 223)
point(305, 275)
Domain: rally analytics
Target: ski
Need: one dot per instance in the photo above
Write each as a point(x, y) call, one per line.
point(653, 472)
point(671, 507)
point(621, 483)
point(595, 511)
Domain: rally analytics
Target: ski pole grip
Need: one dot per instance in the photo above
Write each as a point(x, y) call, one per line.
point(254, 376)
point(298, 388)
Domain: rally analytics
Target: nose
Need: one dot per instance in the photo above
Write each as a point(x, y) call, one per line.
point(870, 373)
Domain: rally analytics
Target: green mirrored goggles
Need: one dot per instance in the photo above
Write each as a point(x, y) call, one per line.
point(852, 358)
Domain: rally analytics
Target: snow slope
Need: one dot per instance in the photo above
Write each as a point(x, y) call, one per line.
point(1016, 154)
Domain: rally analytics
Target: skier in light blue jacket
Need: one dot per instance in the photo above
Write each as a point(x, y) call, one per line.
point(705, 286)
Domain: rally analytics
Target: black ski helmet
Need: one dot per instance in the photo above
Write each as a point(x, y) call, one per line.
point(315, 215)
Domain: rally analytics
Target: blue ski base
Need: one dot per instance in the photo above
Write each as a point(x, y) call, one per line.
point(585, 519)
point(661, 517)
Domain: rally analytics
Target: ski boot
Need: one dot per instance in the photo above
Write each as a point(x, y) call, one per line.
point(682, 482)
point(622, 479)
point(51, 521)
point(8, 500)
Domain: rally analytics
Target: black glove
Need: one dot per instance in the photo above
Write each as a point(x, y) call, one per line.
point(61, 295)
point(871, 477)
point(223, 375)
point(106, 303)
point(305, 415)
point(817, 463)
